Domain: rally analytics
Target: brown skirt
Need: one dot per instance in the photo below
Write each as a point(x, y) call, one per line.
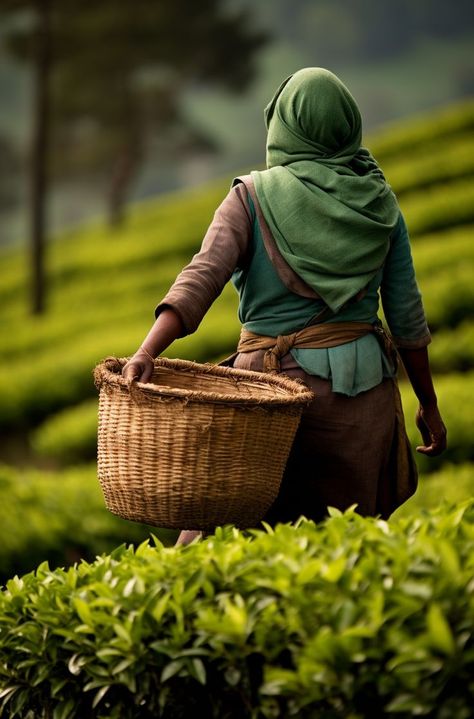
point(345, 451)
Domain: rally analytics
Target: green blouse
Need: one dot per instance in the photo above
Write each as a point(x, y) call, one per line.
point(267, 307)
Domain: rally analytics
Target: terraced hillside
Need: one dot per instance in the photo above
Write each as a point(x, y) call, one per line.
point(103, 286)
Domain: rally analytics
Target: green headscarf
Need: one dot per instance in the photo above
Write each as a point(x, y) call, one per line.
point(323, 196)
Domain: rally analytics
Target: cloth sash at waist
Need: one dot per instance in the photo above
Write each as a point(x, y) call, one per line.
point(329, 334)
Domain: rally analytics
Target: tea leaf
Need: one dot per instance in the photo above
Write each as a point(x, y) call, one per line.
point(439, 631)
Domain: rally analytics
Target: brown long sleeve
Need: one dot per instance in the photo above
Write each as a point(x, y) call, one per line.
point(224, 248)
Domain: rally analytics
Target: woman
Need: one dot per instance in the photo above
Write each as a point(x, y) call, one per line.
point(310, 244)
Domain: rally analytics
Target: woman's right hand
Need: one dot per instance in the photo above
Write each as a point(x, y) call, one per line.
point(139, 367)
point(166, 329)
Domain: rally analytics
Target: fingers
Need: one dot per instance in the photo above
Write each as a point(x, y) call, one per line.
point(436, 447)
point(131, 372)
point(139, 370)
point(147, 373)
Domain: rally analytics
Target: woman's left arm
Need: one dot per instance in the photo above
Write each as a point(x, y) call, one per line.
point(428, 418)
point(406, 319)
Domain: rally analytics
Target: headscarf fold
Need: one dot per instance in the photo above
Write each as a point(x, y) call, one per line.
point(323, 196)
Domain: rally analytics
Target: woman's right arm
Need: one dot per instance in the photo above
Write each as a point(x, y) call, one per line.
point(225, 247)
point(165, 330)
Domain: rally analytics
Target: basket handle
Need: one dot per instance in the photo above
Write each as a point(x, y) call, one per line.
point(102, 370)
point(114, 366)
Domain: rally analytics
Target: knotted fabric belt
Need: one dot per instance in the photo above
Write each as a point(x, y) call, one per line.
point(328, 334)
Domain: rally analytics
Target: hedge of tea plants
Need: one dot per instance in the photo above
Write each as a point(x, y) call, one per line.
point(59, 517)
point(428, 167)
point(416, 135)
point(351, 618)
point(63, 519)
point(453, 483)
point(454, 392)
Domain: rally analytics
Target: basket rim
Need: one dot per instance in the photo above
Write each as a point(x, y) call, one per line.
point(296, 392)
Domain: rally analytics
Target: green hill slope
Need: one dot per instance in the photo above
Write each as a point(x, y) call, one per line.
point(104, 285)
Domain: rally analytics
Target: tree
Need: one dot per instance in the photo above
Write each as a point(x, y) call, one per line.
point(39, 36)
point(9, 174)
point(115, 73)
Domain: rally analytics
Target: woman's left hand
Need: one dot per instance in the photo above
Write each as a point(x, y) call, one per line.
point(432, 429)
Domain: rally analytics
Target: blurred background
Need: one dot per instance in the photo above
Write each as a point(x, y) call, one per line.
point(145, 97)
point(121, 127)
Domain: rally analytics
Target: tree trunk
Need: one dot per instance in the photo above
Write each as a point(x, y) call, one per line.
point(125, 169)
point(129, 157)
point(39, 154)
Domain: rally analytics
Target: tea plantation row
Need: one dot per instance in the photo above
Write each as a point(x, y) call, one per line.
point(417, 135)
point(73, 340)
point(354, 617)
point(63, 519)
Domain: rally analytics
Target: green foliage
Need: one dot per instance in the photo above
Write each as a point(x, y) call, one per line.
point(423, 133)
point(69, 435)
point(453, 483)
point(354, 617)
point(58, 517)
point(91, 317)
point(453, 350)
point(445, 250)
point(444, 264)
point(436, 208)
point(448, 295)
point(57, 377)
point(72, 434)
point(407, 173)
point(104, 285)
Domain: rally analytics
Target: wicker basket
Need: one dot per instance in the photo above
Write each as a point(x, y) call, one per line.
point(197, 447)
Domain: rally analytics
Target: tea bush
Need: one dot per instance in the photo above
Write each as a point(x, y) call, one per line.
point(103, 285)
point(453, 483)
point(160, 229)
point(54, 358)
point(423, 132)
point(60, 517)
point(448, 296)
point(453, 349)
point(439, 207)
point(425, 169)
point(69, 435)
point(441, 251)
point(61, 375)
point(350, 618)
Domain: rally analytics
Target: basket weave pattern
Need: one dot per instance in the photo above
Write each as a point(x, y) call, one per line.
point(197, 447)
